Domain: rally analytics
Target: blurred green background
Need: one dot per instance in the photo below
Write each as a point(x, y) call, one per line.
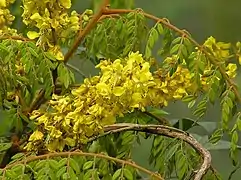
point(218, 18)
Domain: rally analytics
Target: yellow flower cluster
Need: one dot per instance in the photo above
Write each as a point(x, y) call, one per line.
point(170, 87)
point(209, 77)
point(122, 86)
point(53, 22)
point(219, 49)
point(6, 18)
point(221, 52)
point(231, 70)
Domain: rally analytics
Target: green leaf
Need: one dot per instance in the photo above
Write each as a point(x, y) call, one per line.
point(127, 173)
point(117, 174)
point(154, 34)
point(238, 122)
point(177, 40)
point(188, 98)
point(53, 163)
point(74, 165)
point(171, 151)
point(5, 146)
point(212, 95)
point(234, 138)
point(153, 37)
point(11, 174)
point(62, 162)
point(95, 174)
point(18, 168)
point(160, 28)
point(200, 111)
point(40, 165)
point(148, 52)
point(158, 112)
point(33, 52)
point(184, 51)
point(61, 171)
point(88, 165)
point(216, 136)
point(72, 174)
point(66, 77)
point(18, 156)
point(50, 56)
point(65, 176)
point(130, 15)
point(89, 174)
point(189, 45)
point(182, 167)
point(3, 47)
point(24, 117)
point(127, 138)
point(191, 104)
point(175, 48)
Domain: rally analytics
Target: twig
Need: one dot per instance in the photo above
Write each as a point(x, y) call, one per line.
point(165, 131)
point(109, 16)
point(15, 38)
point(185, 34)
point(86, 30)
point(61, 154)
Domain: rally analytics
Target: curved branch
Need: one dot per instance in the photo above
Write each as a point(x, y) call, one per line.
point(68, 154)
point(164, 131)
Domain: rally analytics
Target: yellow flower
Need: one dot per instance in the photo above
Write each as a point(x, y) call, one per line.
point(231, 70)
point(219, 49)
point(56, 51)
point(3, 3)
point(70, 141)
point(55, 144)
point(65, 3)
point(103, 89)
point(37, 135)
point(118, 91)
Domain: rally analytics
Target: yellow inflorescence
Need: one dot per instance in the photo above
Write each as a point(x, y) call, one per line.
point(53, 22)
point(219, 49)
point(124, 85)
point(6, 18)
point(221, 52)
